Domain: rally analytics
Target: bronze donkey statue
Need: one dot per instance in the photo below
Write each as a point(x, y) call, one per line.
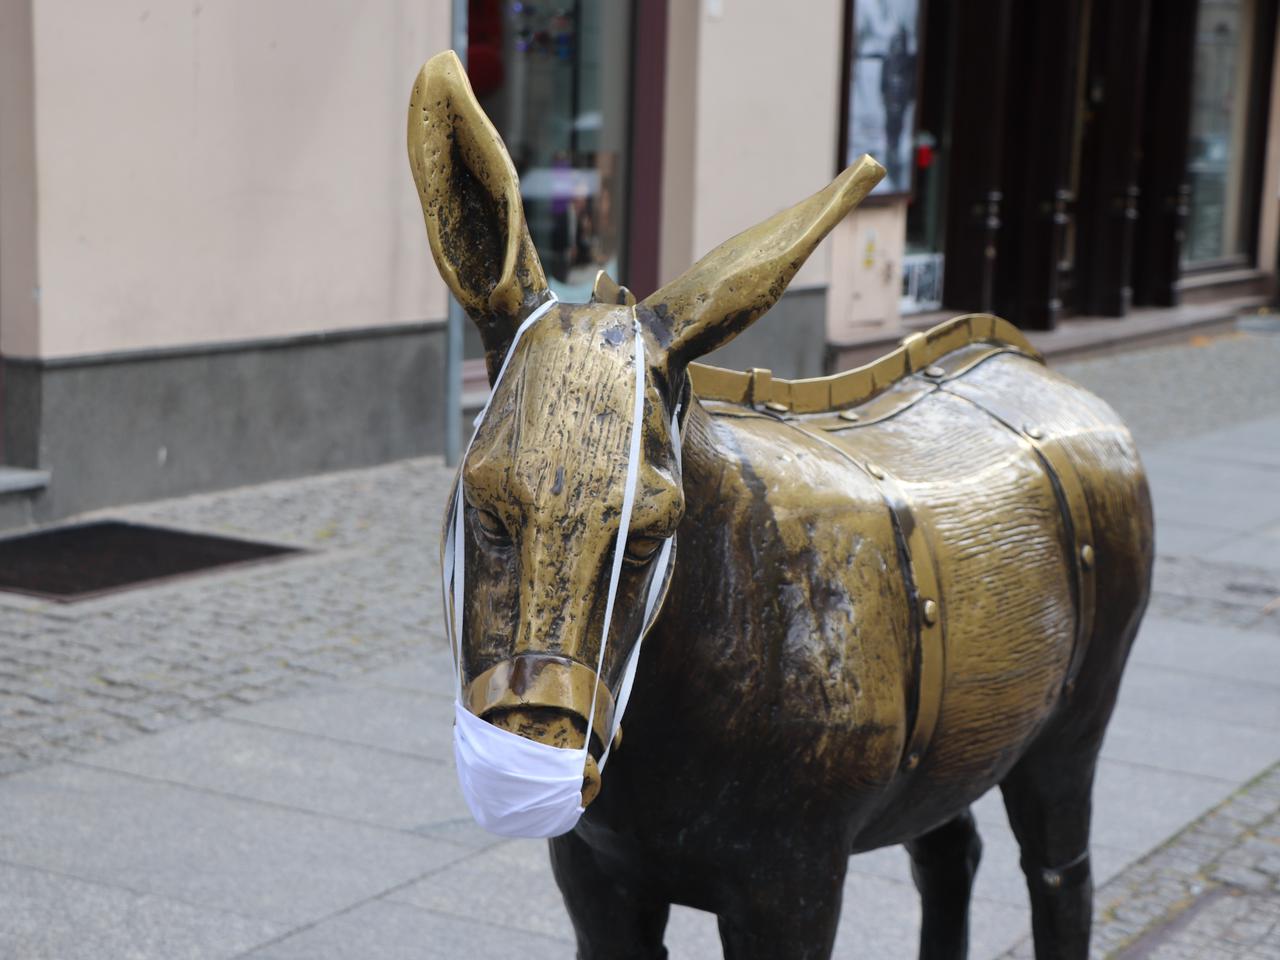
point(893, 589)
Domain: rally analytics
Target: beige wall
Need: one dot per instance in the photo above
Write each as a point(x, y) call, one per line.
point(226, 170)
point(752, 117)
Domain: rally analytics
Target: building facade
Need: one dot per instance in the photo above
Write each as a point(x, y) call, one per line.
point(213, 268)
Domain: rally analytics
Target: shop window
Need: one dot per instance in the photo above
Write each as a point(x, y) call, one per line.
point(1218, 223)
point(924, 263)
point(555, 80)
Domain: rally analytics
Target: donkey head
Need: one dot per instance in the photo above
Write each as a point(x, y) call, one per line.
point(544, 476)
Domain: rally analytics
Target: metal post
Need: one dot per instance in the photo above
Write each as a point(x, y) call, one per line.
point(453, 330)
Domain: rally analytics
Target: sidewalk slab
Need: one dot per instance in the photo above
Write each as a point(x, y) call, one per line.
point(1210, 492)
point(203, 849)
point(1175, 692)
point(1260, 548)
point(1255, 442)
point(309, 773)
point(381, 930)
point(1223, 652)
point(481, 889)
point(395, 720)
point(47, 915)
point(1183, 743)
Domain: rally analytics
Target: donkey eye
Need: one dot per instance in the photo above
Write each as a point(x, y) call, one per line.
point(491, 526)
point(641, 549)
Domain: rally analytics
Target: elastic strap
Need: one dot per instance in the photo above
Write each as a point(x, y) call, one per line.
point(651, 603)
point(624, 520)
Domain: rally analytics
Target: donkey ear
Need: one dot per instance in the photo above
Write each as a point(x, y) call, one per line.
point(608, 290)
point(728, 289)
point(471, 201)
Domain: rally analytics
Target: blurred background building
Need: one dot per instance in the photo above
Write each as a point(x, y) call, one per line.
point(213, 268)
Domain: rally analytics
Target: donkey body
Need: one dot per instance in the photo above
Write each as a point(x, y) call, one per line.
point(892, 590)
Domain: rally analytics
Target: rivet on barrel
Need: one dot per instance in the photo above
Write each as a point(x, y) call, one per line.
point(1086, 556)
point(1034, 432)
point(935, 371)
point(849, 415)
point(929, 610)
point(875, 471)
point(776, 407)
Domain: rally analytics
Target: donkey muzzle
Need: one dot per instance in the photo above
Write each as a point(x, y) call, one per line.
point(546, 698)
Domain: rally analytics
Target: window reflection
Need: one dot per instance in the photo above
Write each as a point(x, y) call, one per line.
point(554, 80)
point(1219, 118)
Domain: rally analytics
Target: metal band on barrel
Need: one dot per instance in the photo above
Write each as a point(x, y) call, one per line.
point(920, 576)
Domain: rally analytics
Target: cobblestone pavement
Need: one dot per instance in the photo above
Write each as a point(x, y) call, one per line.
point(1212, 891)
point(151, 668)
point(76, 677)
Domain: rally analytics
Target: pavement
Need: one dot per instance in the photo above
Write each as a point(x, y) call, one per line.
point(256, 763)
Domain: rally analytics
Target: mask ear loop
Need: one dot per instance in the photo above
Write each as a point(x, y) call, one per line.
point(453, 560)
point(657, 591)
point(624, 520)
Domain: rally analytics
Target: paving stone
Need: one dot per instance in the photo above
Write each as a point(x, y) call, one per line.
point(396, 931)
point(480, 888)
point(295, 770)
point(1178, 692)
point(61, 918)
point(202, 848)
point(1138, 807)
point(1212, 650)
point(1185, 743)
point(365, 714)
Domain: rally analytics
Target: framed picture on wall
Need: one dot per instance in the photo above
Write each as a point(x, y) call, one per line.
point(881, 70)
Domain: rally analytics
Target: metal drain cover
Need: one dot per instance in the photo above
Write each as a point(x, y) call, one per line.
point(92, 559)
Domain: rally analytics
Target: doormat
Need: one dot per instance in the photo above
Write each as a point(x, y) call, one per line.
point(92, 559)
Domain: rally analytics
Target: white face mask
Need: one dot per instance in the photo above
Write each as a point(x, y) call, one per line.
point(517, 787)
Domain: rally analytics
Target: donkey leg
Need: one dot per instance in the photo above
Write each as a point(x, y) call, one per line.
point(1049, 797)
point(610, 918)
point(943, 864)
point(789, 908)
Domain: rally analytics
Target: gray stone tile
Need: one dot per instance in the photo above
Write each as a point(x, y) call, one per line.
point(692, 935)
point(1215, 651)
point(395, 931)
point(1136, 808)
point(1212, 492)
point(375, 716)
point(429, 671)
point(1188, 744)
point(1182, 693)
point(202, 848)
point(1174, 538)
point(61, 918)
point(310, 773)
point(1254, 443)
point(479, 889)
point(1260, 549)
